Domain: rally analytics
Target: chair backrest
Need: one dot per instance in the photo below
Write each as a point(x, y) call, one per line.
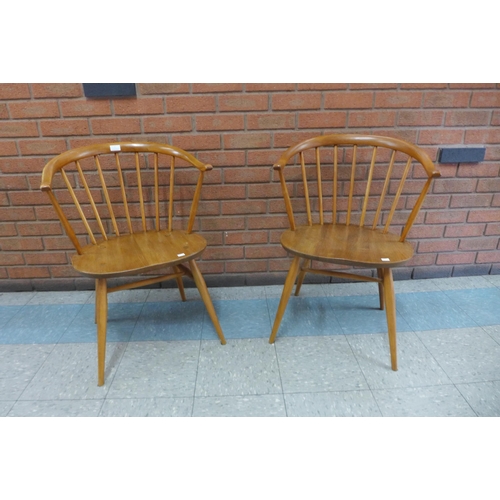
point(355, 179)
point(110, 189)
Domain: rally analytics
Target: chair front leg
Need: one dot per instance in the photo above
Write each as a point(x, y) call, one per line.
point(390, 311)
point(285, 296)
point(202, 288)
point(101, 306)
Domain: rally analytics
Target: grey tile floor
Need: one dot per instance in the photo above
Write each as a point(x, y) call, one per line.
point(331, 356)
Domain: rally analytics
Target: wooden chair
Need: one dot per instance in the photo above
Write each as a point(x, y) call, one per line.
point(119, 198)
point(350, 187)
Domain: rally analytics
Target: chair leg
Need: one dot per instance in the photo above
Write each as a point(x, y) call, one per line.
point(302, 273)
point(202, 288)
point(380, 274)
point(101, 305)
point(285, 296)
point(390, 311)
point(180, 284)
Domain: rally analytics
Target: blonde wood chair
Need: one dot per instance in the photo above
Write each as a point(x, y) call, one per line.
point(356, 197)
point(123, 205)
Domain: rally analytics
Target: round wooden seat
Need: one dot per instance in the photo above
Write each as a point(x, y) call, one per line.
point(138, 253)
point(350, 245)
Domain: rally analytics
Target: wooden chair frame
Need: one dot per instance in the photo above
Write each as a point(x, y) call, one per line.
point(128, 251)
point(346, 242)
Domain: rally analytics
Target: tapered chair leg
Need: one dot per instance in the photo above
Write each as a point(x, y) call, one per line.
point(302, 273)
point(180, 284)
point(285, 296)
point(202, 288)
point(380, 274)
point(390, 311)
point(101, 305)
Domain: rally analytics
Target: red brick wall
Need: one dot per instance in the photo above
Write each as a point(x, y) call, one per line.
point(242, 129)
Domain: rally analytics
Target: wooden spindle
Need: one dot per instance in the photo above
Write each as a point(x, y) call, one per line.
point(368, 186)
point(106, 196)
point(171, 194)
point(91, 199)
point(286, 196)
point(384, 190)
point(351, 187)
point(398, 194)
point(320, 188)
point(335, 187)
point(139, 186)
point(124, 195)
point(157, 193)
point(306, 190)
point(415, 210)
point(194, 204)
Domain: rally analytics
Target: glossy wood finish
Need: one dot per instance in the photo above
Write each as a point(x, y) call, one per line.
point(360, 232)
point(123, 198)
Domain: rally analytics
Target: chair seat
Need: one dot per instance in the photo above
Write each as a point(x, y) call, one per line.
point(350, 245)
point(138, 253)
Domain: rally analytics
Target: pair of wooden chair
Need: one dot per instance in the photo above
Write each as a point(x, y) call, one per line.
point(129, 209)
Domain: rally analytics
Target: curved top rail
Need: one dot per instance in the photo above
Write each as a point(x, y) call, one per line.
point(57, 163)
point(360, 140)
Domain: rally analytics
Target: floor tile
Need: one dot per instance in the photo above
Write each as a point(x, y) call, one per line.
point(416, 366)
point(122, 319)
point(363, 315)
point(305, 316)
point(170, 321)
point(410, 286)
point(15, 298)
point(349, 289)
point(494, 279)
point(240, 406)
point(239, 319)
point(316, 364)
point(465, 354)
point(18, 365)
point(493, 331)
point(462, 282)
point(70, 372)
point(241, 367)
point(57, 408)
point(147, 407)
point(484, 397)
point(39, 324)
point(54, 298)
point(137, 295)
point(157, 369)
point(5, 407)
point(172, 295)
point(436, 401)
point(7, 313)
point(332, 404)
point(237, 293)
point(481, 304)
point(432, 311)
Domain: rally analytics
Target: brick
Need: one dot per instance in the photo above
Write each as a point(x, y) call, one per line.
point(492, 229)
point(442, 137)
point(437, 246)
point(4, 113)
point(423, 86)
point(243, 102)
point(57, 90)
point(492, 154)
point(483, 257)
point(245, 238)
point(478, 170)
point(495, 118)
point(247, 140)
point(86, 107)
point(425, 259)
point(223, 253)
point(467, 230)
point(190, 104)
point(244, 207)
point(193, 143)
point(450, 217)
point(28, 272)
point(159, 124)
point(263, 157)
point(222, 223)
point(225, 192)
point(41, 229)
point(420, 118)
point(454, 185)
point(265, 252)
point(456, 258)
point(269, 87)
point(246, 266)
point(322, 119)
point(348, 100)
point(16, 214)
point(14, 91)
point(64, 127)
point(287, 139)
point(446, 99)
point(247, 175)
point(20, 244)
point(483, 136)
point(303, 100)
point(217, 87)
point(467, 118)
point(398, 99)
point(105, 126)
point(485, 99)
point(144, 106)
point(472, 85)
point(426, 231)
point(21, 165)
point(222, 159)
point(488, 185)
point(372, 118)
point(8, 148)
point(268, 222)
point(46, 258)
point(322, 86)
point(13, 182)
point(265, 191)
point(484, 216)
point(162, 88)
point(8, 229)
point(220, 122)
point(18, 129)
point(362, 86)
point(470, 200)
point(42, 147)
point(478, 244)
point(270, 121)
point(34, 109)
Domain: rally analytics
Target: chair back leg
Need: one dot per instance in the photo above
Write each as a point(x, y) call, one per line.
point(101, 305)
point(390, 311)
